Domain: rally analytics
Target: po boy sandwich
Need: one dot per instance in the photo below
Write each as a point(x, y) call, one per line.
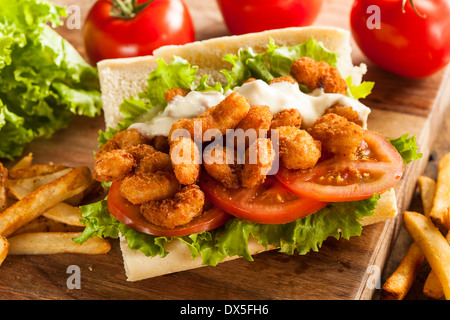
point(228, 147)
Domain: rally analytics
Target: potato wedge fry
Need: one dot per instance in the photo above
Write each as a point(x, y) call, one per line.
point(433, 244)
point(42, 224)
point(3, 187)
point(427, 188)
point(25, 162)
point(432, 287)
point(35, 170)
point(44, 198)
point(65, 213)
point(441, 205)
point(20, 188)
point(398, 284)
point(55, 243)
point(4, 248)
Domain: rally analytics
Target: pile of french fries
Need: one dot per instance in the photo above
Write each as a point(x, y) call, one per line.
point(39, 209)
point(430, 232)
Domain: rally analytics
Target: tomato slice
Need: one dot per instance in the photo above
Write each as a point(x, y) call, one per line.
point(129, 214)
point(269, 203)
point(379, 168)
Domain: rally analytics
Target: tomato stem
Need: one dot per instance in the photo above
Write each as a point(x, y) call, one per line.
point(127, 9)
point(414, 8)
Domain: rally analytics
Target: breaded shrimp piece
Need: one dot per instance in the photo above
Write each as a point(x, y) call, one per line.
point(287, 117)
point(347, 112)
point(140, 151)
point(186, 160)
point(298, 150)
point(257, 118)
point(161, 143)
point(316, 74)
point(259, 158)
point(337, 135)
point(122, 139)
point(181, 209)
point(114, 165)
point(225, 115)
point(172, 93)
point(220, 165)
point(157, 161)
point(141, 188)
point(283, 79)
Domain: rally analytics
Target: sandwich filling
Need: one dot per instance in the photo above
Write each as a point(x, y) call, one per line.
point(280, 153)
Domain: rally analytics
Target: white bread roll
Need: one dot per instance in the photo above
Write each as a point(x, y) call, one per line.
point(125, 78)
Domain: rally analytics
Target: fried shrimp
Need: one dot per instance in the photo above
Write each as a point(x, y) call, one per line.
point(258, 118)
point(122, 139)
point(287, 117)
point(258, 162)
point(347, 112)
point(283, 79)
point(221, 165)
point(186, 159)
point(169, 95)
point(316, 74)
point(298, 149)
point(141, 188)
point(225, 115)
point(337, 135)
point(181, 209)
point(114, 165)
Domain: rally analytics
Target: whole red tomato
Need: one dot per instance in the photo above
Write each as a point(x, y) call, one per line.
point(411, 43)
point(118, 34)
point(245, 16)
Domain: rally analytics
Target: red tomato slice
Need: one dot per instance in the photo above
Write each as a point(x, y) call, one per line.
point(129, 214)
point(269, 203)
point(334, 180)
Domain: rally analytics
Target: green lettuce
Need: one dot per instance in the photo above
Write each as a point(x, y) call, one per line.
point(304, 235)
point(43, 79)
point(407, 147)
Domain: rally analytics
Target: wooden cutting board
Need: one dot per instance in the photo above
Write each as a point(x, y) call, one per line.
point(341, 270)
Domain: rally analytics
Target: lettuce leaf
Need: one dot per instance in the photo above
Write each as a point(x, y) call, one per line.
point(407, 147)
point(43, 79)
point(303, 235)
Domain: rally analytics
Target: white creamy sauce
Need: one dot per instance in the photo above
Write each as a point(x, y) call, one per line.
point(278, 96)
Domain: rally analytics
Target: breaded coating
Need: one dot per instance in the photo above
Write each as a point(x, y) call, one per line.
point(249, 80)
point(257, 118)
point(140, 151)
point(170, 213)
point(172, 93)
point(141, 188)
point(122, 139)
point(186, 160)
point(298, 149)
point(287, 117)
point(220, 164)
point(225, 115)
point(337, 135)
point(161, 143)
point(316, 74)
point(258, 162)
point(283, 79)
point(347, 112)
point(114, 165)
point(157, 161)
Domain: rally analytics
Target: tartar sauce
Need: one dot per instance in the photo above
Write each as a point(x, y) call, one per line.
point(277, 96)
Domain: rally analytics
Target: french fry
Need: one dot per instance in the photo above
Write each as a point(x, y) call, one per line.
point(35, 170)
point(25, 162)
point(3, 187)
point(20, 188)
point(4, 248)
point(42, 224)
point(42, 199)
point(427, 188)
point(441, 205)
point(433, 244)
point(398, 284)
point(65, 213)
point(55, 243)
point(432, 287)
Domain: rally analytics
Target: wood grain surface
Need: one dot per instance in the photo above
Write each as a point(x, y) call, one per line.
point(341, 270)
